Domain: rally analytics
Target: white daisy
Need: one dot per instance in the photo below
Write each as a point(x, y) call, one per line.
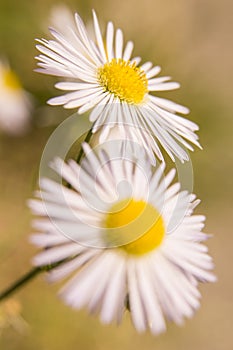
point(15, 103)
point(126, 236)
point(103, 77)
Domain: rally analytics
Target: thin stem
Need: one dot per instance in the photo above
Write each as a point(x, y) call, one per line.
point(27, 277)
point(87, 139)
point(36, 270)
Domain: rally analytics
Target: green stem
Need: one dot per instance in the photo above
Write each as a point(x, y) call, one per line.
point(87, 139)
point(27, 277)
point(36, 270)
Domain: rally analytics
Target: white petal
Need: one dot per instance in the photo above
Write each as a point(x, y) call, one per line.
point(67, 268)
point(136, 60)
point(146, 67)
point(99, 37)
point(136, 305)
point(169, 105)
point(78, 291)
point(164, 87)
point(109, 40)
point(47, 239)
point(56, 254)
point(154, 71)
point(128, 51)
point(74, 86)
point(84, 100)
point(119, 43)
point(154, 313)
point(113, 302)
point(97, 99)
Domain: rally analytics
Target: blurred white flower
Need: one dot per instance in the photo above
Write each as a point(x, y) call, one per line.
point(62, 19)
point(15, 103)
point(10, 316)
point(127, 237)
point(103, 77)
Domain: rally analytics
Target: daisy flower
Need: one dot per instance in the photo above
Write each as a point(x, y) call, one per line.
point(15, 103)
point(126, 237)
point(101, 76)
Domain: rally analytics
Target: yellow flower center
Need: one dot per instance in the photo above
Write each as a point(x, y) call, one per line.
point(124, 80)
point(10, 80)
point(134, 226)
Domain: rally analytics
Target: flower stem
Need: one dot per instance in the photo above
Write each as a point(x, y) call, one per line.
point(27, 277)
point(87, 139)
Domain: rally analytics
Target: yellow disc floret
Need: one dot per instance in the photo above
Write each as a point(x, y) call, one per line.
point(134, 226)
point(124, 80)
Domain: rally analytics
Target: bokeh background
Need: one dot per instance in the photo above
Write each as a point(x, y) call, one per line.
point(192, 41)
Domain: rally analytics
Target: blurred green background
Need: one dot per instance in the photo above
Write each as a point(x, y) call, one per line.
point(192, 41)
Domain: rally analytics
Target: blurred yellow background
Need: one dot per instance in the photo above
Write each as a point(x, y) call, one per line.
point(192, 41)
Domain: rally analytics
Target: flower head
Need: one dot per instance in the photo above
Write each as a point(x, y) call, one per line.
point(103, 77)
point(125, 236)
point(15, 103)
